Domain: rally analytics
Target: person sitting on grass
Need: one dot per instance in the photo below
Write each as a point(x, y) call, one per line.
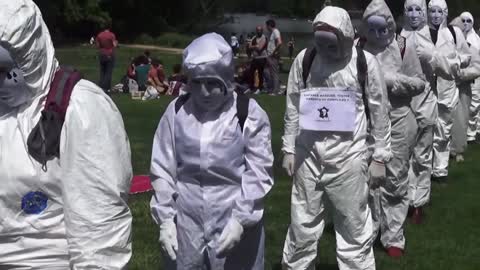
point(156, 81)
point(177, 82)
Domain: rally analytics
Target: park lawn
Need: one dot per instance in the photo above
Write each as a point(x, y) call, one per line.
point(449, 239)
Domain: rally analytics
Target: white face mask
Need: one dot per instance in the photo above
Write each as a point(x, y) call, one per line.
point(436, 16)
point(415, 16)
point(468, 24)
point(378, 32)
point(209, 94)
point(13, 89)
point(328, 45)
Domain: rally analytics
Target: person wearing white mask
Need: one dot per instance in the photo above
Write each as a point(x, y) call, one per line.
point(69, 210)
point(334, 93)
point(211, 167)
point(389, 201)
point(469, 86)
point(448, 40)
point(474, 41)
point(432, 62)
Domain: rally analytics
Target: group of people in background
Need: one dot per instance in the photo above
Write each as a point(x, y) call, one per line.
point(147, 75)
point(261, 74)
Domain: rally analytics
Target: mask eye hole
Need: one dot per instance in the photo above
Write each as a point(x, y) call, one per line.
point(410, 9)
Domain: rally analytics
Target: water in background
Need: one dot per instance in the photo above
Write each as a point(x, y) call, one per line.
point(245, 23)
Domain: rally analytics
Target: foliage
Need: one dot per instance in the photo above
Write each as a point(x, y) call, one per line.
point(130, 18)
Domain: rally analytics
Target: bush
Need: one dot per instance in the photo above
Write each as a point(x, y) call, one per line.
point(173, 40)
point(144, 39)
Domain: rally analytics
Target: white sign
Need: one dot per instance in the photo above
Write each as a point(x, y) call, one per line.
point(328, 109)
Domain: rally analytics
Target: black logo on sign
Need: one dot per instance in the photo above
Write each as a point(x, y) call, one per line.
point(323, 113)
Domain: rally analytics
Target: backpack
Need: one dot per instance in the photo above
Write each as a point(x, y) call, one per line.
point(362, 71)
point(242, 107)
point(452, 31)
point(44, 139)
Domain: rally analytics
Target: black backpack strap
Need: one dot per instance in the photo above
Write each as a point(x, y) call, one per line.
point(307, 63)
point(181, 101)
point(242, 109)
point(362, 73)
point(454, 34)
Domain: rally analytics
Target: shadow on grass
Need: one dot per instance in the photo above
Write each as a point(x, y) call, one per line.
point(320, 266)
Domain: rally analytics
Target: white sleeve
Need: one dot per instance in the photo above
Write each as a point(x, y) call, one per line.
point(378, 106)
point(295, 83)
point(163, 168)
point(257, 180)
point(96, 174)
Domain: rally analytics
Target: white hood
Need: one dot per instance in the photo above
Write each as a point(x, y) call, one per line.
point(443, 5)
point(26, 37)
point(339, 19)
point(379, 8)
point(422, 4)
point(472, 37)
point(210, 56)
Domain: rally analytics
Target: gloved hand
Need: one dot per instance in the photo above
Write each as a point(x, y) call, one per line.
point(378, 173)
point(168, 238)
point(466, 61)
point(425, 51)
point(230, 237)
point(289, 163)
point(416, 85)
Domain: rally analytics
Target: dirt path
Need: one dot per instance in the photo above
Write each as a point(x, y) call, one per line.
point(153, 48)
point(168, 49)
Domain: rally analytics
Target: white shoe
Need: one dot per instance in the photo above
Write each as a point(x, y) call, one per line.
point(258, 92)
point(460, 158)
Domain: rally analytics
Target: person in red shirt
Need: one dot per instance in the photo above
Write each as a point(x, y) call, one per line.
point(106, 42)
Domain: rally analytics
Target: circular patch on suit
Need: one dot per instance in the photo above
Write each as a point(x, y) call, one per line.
point(34, 202)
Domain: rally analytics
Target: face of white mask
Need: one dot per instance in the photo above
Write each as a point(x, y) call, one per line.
point(378, 32)
point(468, 24)
point(436, 15)
point(208, 94)
point(328, 45)
point(13, 89)
point(415, 16)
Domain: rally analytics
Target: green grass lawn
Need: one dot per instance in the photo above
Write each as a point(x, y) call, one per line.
point(449, 239)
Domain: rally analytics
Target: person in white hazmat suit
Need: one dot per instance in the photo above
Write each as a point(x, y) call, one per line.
point(74, 214)
point(210, 177)
point(390, 201)
point(447, 39)
point(474, 41)
point(328, 161)
point(469, 83)
point(432, 63)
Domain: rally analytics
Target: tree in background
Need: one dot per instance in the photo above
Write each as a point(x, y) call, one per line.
point(80, 19)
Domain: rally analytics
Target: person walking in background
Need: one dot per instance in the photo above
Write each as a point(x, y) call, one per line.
point(259, 52)
point(234, 44)
point(273, 56)
point(291, 47)
point(106, 43)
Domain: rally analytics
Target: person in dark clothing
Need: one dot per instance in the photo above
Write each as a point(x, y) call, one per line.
point(106, 42)
point(259, 52)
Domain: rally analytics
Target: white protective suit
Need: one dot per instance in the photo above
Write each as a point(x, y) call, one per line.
point(469, 81)
point(390, 202)
point(446, 90)
point(74, 215)
point(424, 105)
point(206, 172)
point(474, 123)
point(331, 167)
